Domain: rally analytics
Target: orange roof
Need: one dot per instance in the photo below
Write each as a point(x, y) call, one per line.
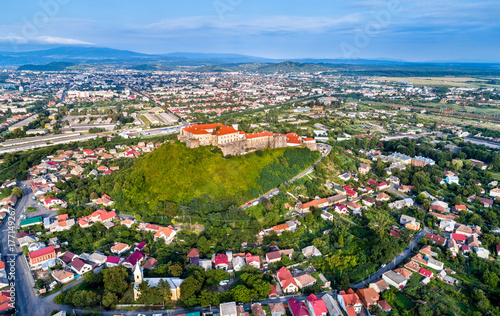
point(62, 217)
point(293, 138)
point(314, 203)
point(226, 130)
point(164, 231)
point(202, 128)
point(285, 277)
point(280, 227)
point(256, 135)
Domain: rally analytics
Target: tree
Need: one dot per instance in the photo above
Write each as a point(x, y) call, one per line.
point(207, 298)
point(490, 279)
point(109, 299)
point(17, 191)
point(203, 245)
point(150, 295)
point(115, 280)
point(262, 288)
point(345, 283)
point(189, 287)
point(379, 223)
point(165, 291)
point(175, 270)
point(243, 294)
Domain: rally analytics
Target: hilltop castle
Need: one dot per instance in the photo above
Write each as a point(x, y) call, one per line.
point(234, 142)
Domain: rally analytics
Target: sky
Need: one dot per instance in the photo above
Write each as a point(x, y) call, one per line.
point(417, 30)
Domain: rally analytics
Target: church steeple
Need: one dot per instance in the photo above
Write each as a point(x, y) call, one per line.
point(138, 273)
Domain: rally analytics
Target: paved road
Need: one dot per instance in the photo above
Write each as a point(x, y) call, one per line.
point(325, 151)
point(25, 297)
point(397, 260)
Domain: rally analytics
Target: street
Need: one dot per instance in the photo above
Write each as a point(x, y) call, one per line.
point(397, 260)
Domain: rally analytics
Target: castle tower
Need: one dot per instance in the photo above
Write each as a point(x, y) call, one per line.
point(138, 273)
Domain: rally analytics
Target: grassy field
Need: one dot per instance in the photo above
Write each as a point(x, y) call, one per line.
point(145, 120)
point(440, 81)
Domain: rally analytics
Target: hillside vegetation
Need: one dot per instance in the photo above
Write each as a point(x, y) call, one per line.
point(175, 174)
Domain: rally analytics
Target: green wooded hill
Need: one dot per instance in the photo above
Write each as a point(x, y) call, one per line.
point(175, 173)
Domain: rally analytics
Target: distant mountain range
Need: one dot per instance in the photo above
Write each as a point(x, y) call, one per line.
point(57, 59)
point(80, 54)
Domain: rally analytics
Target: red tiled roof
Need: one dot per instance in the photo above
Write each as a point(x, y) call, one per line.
point(221, 259)
point(226, 130)
point(317, 304)
point(458, 237)
point(297, 308)
point(425, 272)
point(256, 135)
point(41, 252)
point(285, 277)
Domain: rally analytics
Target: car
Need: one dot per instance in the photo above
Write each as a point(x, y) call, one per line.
point(383, 266)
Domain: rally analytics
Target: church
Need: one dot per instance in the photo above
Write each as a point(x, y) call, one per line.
point(174, 283)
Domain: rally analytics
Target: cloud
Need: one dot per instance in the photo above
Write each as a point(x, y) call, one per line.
point(43, 40)
point(256, 25)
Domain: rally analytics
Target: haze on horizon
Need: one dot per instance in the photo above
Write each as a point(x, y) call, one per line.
point(439, 30)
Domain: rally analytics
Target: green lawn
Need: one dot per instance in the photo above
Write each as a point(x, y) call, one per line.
point(403, 302)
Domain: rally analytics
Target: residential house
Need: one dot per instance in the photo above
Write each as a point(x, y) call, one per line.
point(273, 294)
point(404, 272)
point(320, 203)
point(364, 168)
point(394, 279)
point(165, 233)
point(384, 306)
point(112, 261)
point(253, 260)
point(277, 309)
point(297, 308)
point(228, 309)
point(327, 216)
point(80, 266)
point(286, 280)
point(436, 238)
point(43, 258)
point(275, 256)
point(368, 296)
point(495, 192)
point(379, 286)
point(409, 222)
point(137, 257)
point(62, 276)
point(482, 253)
point(304, 280)
point(193, 256)
point(238, 263)
point(257, 310)
point(221, 261)
point(311, 251)
point(316, 306)
point(119, 248)
point(150, 264)
point(350, 302)
point(368, 201)
point(332, 305)
point(382, 197)
point(341, 209)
